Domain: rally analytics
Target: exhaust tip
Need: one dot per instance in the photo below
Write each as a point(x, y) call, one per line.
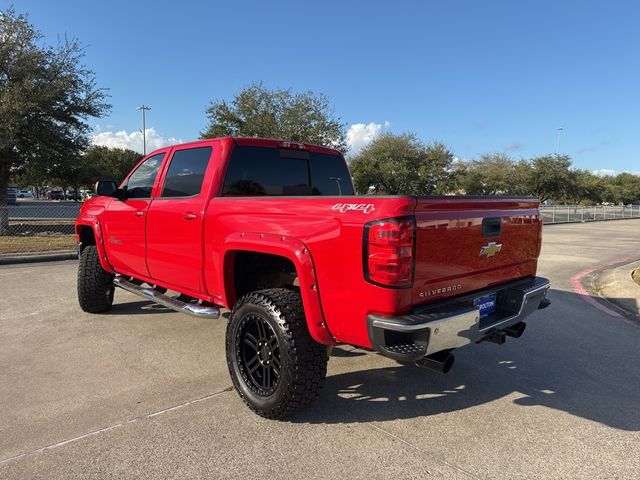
point(440, 362)
point(498, 338)
point(516, 330)
point(448, 363)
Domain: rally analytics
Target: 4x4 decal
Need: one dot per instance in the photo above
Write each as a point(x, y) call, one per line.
point(357, 207)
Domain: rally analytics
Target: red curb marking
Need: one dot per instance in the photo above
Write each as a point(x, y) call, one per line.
point(578, 288)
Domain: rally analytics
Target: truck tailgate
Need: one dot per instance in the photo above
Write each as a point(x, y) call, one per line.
point(465, 244)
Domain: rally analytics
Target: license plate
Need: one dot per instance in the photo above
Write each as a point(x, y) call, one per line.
point(486, 304)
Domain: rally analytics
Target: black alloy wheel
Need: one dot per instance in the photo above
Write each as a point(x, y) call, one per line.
point(258, 354)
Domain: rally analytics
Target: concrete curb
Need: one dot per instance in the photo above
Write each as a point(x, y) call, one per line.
point(40, 257)
point(615, 286)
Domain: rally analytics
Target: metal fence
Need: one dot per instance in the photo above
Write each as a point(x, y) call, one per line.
point(577, 213)
point(37, 226)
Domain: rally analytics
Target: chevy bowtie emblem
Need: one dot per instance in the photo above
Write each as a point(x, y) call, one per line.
point(491, 249)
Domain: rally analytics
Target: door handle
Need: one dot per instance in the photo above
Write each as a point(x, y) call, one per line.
point(190, 216)
point(139, 213)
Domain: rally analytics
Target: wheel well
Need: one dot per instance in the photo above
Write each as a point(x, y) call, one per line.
point(86, 236)
point(257, 271)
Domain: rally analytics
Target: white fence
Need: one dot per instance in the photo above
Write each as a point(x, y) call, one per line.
point(577, 213)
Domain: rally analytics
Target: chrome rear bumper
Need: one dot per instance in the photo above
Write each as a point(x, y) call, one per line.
point(455, 323)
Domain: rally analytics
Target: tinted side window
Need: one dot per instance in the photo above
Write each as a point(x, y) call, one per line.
point(186, 172)
point(140, 183)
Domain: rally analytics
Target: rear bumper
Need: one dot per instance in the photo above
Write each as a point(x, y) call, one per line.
point(455, 323)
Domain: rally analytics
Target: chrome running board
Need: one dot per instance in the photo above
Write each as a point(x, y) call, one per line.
point(193, 309)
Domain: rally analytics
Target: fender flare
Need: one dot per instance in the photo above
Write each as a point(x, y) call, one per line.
point(300, 255)
point(92, 222)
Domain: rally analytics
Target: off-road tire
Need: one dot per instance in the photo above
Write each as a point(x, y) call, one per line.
point(95, 285)
point(303, 361)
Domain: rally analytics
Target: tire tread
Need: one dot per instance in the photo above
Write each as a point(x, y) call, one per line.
point(93, 281)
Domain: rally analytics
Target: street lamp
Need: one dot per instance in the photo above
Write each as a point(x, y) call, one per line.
point(559, 130)
point(337, 180)
point(143, 108)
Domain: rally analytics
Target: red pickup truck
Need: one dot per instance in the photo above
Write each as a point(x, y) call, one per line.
point(273, 231)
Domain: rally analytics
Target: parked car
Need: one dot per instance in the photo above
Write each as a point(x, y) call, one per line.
point(25, 194)
point(72, 195)
point(273, 231)
point(11, 196)
point(86, 194)
point(55, 195)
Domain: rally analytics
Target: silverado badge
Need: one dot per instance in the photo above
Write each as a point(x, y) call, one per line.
point(491, 249)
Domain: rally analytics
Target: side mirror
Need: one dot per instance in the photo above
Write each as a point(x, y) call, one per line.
point(120, 194)
point(106, 188)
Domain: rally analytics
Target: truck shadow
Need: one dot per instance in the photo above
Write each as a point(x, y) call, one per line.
point(141, 307)
point(573, 360)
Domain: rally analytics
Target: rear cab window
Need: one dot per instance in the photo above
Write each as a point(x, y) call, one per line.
point(263, 171)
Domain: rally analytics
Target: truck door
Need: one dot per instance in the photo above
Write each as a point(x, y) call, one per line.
point(174, 220)
point(124, 225)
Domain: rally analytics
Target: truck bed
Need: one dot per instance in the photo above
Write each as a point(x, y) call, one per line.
point(449, 239)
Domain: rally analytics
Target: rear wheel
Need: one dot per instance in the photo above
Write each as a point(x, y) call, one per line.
point(275, 365)
point(95, 285)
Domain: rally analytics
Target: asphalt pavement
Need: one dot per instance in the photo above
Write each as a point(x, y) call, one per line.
point(143, 392)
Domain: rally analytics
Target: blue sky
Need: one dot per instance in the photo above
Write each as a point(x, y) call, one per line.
point(480, 76)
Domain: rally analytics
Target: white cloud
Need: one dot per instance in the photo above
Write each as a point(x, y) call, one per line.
point(513, 147)
point(132, 140)
point(604, 172)
point(360, 135)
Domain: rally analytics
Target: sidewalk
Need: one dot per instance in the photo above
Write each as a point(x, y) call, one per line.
point(617, 286)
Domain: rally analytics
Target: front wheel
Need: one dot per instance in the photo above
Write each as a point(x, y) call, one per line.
point(275, 365)
point(95, 285)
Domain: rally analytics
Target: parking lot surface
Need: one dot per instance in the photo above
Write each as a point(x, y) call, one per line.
point(143, 392)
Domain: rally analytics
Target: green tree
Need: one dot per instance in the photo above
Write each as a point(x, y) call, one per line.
point(403, 165)
point(32, 175)
point(95, 163)
point(491, 174)
point(522, 179)
point(623, 188)
point(46, 98)
point(259, 112)
point(551, 177)
point(105, 163)
point(589, 188)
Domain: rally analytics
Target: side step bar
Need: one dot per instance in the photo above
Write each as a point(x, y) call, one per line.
point(193, 309)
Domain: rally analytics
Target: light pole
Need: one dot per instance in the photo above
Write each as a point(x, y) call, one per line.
point(559, 130)
point(337, 180)
point(143, 107)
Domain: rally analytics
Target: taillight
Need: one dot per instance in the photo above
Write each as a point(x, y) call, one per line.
point(388, 252)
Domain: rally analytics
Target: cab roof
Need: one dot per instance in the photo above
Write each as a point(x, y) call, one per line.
point(257, 142)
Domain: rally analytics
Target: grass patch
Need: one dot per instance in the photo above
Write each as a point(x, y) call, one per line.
point(37, 244)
